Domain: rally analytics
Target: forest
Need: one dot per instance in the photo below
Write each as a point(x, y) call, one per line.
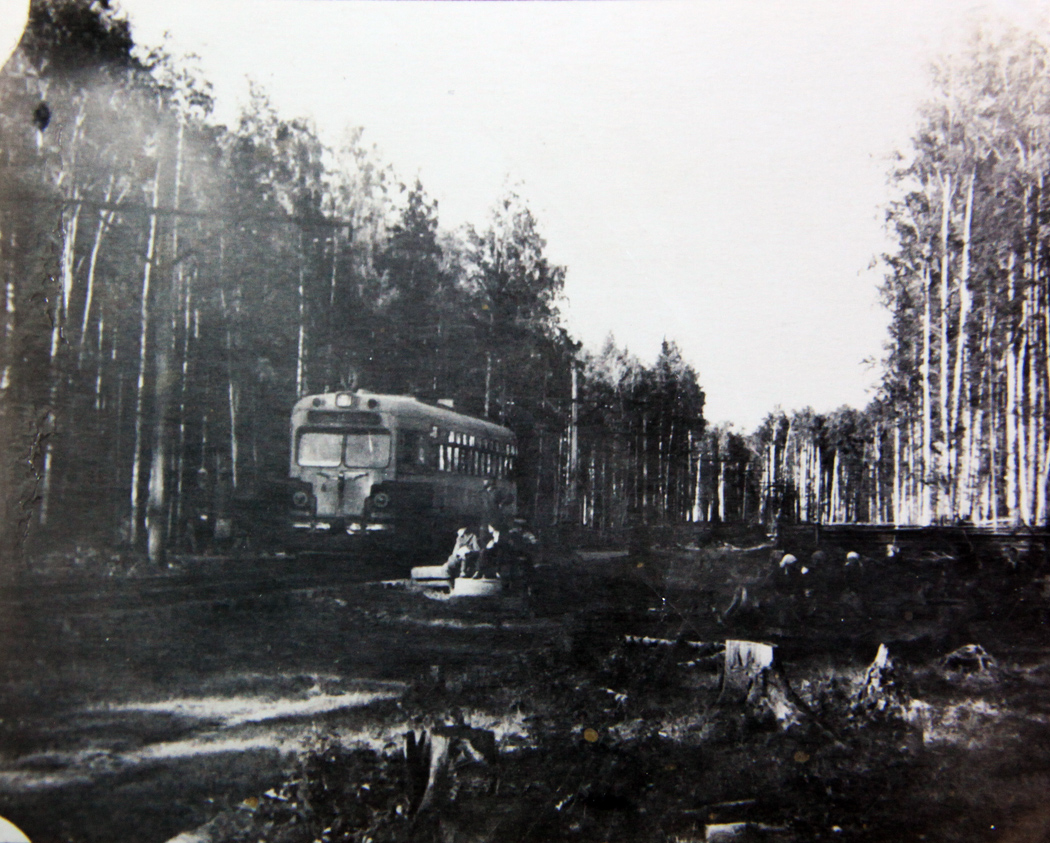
point(959, 430)
point(171, 286)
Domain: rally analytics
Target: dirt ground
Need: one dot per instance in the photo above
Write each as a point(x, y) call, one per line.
point(591, 708)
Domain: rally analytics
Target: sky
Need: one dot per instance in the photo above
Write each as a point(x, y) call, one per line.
point(712, 173)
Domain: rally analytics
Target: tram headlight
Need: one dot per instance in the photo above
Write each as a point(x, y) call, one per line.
point(380, 500)
point(344, 399)
point(300, 499)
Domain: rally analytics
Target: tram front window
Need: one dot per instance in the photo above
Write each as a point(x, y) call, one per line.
point(320, 450)
point(367, 450)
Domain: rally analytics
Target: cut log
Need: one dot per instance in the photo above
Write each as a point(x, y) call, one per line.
point(707, 646)
point(745, 832)
point(433, 576)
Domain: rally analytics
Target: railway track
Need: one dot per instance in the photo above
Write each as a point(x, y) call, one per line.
point(225, 580)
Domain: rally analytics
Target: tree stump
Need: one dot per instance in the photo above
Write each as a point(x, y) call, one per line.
point(745, 662)
point(971, 664)
point(881, 691)
point(418, 753)
point(432, 762)
point(752, 678)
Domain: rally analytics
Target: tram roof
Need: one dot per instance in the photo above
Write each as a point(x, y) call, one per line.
point(409, 406)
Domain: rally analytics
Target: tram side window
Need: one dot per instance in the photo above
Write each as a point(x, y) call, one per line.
point(413, 455)
point(320, 450)
point(469, 455)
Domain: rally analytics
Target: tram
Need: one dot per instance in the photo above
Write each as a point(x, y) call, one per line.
point(394, 467)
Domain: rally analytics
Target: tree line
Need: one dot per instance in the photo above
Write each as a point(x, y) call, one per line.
point(959, 430)
point(171, 286)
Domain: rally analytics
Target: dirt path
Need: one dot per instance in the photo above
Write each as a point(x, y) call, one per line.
point(134, 724)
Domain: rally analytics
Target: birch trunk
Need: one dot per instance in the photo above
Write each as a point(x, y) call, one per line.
point(488, 384)
point(1033, 432)
point(798, 478)
point(961, 474)
point(232, 396)
point(928, 468)
point(694, 447)
point(987, 463)
point(818, 482)
point(896, 507)
point(834, 515)
point(157, 515)
point(231, 391)
point(100, 402)
point(1020, 405)
point(300, 354)
point(971, 463)
point(66, 270)
point(995, 457)
point(90, 288)
point(66, 275)
point(105, 219)
point(877, 459)
point(572, 474)
point(1012, 497)
point(8, 336)
point(645, 469)
point(184, 379)
point(944, 387)
point(1044, 356)
point(140, 387)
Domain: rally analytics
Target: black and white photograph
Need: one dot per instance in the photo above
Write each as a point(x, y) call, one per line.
point(524, 421)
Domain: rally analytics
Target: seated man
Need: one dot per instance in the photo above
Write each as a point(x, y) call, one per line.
point(463, 561)
point(487, 566)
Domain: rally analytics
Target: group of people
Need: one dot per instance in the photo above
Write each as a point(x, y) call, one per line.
point(797, 589)
point(793, 578)
point(822, 585)
point(487, 551)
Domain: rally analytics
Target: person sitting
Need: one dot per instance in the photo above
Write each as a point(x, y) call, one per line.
point(487, 566)
point(463, 561)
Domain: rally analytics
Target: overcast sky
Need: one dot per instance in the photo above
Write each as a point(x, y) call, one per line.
point(708, 172)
